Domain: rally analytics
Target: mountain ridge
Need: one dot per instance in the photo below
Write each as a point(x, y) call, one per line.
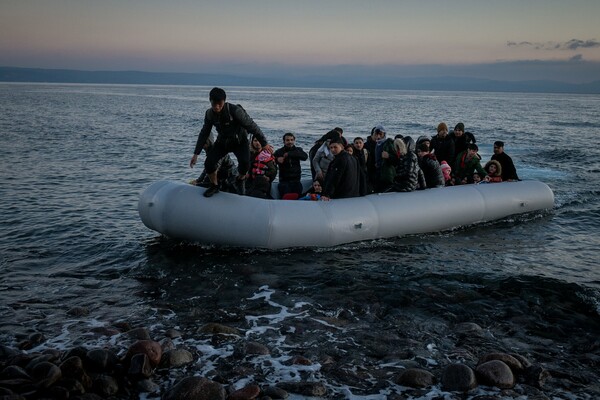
point(442, 83)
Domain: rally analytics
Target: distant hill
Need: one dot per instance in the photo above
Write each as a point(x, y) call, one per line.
point(453, 83)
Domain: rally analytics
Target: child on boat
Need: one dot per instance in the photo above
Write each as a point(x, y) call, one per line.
point(447, 172)
point(314, 193)
point(494, 171)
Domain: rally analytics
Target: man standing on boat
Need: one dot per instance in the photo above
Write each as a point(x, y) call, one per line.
point(233, 125)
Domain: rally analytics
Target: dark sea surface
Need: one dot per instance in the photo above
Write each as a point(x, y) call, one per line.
point(74, 159)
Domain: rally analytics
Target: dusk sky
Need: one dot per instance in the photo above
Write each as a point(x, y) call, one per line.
point(226, 36)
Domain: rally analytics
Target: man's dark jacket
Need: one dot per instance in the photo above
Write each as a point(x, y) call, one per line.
point(233, 125)
point(443, 149)
point(509, 172)
point(344, 178)
point(461, 142)
point(290, 170)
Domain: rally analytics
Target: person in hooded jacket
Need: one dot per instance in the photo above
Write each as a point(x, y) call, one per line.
point(361, 154)
point(407, 176)
point(494, 171)
point(345, 178)
point(411, 146)
point(389, 163)
point(332, 134)
point(320, 162)
point(410, 143)
point(430, 166)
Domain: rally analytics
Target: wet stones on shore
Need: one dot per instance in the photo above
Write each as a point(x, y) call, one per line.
point(84, 373)
point(495, 373)
point(458, 377)
point(416, 378)
point(100, 373)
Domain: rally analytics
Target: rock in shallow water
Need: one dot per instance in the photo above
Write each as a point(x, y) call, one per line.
point(72, 368)
point(147, 386)
point(139, 334)
point(167, 344)
point(105, 385)
point(416, 378)
point(524, 361)
point(468, 329)
point(249, 392)
point(74, 387)
point(176, 358)
point(139, 367)
point(254, 348)
point(536, 376)
point(196, 388)
point(100, 360)
point(458, 377)
point(514, 364)
point(14, 372)
point(7, 352)
point(495, 373)
point(173, 333)
point(276, 393)
point(46, 374)
point(150, 348)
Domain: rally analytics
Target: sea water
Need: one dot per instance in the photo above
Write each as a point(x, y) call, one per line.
point(74, 159)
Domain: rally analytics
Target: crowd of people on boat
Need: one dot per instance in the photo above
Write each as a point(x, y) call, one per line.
point(339, 168)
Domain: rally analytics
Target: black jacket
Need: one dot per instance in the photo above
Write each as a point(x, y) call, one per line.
point(290, 170)
point(432, 171)
point(371, 145)
point(344, 178)
point(443, 149)
point(232, 123)
point(408, 174)
point(461, 142)
point(509, 172)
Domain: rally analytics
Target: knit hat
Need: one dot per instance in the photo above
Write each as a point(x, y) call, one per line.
point(460, 127)
point(442, 127)
point(446, 170)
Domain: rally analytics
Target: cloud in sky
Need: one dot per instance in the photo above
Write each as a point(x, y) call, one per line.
point(573, 44)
